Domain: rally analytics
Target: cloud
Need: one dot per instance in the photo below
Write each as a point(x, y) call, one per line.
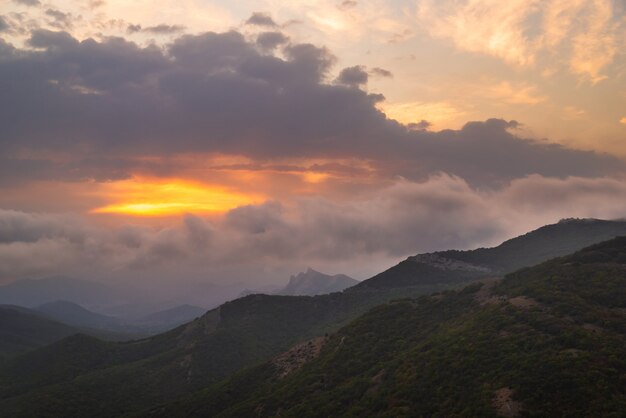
point(440, 114)
point(403, 218)
point(507, 92)
point(161, 29)
point(114, 102)
point(28, 228)
point(60, 20)
point(347, 4)
point(28, 2)
point(418, 126)
point(595, 44)
point(261, 19)
point(3, 24)
point(381, 72)
point(94, 4)
point(585, 34)
point(485, 26)
point(269, 41)
point(353, 76)
point(133, 28)
point(164, 29)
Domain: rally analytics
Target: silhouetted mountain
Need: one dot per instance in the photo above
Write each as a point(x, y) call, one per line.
point(73, 314)
point(454, 266)
point(170, 318)
point(32, 293)
point(545, 341)
point(22, 330)
point(236, 335)
point(312, 283)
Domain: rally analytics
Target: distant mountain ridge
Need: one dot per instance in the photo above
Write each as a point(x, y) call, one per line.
point(73, 314)
point(22, 330)
point(454, 266)
point(312, 283)
point(35, 292)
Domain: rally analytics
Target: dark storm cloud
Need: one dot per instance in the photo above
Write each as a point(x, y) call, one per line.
point(271, 40)
point(353, 76)
point(217, 92)
point(261, 19)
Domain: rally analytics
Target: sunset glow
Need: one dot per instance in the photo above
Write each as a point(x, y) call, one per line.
point(340, 135)
point(139, 197)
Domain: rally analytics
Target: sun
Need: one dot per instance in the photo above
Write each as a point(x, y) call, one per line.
point(145, 197)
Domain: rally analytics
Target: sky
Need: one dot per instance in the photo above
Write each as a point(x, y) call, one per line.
point(223, 142)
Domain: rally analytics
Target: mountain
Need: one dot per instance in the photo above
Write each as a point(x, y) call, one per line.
point(239, 334)
point(73, 372)
point(455, 266)
point(22, 330)
point(169, 318)
point(312, 283)
point(545, 341)
point(32, 293)
point(161, 321)
point(73, 314)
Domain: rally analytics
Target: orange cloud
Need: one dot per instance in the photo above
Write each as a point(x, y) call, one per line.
point(143, 197)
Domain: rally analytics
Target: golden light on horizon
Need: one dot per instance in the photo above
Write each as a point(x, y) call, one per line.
point(141, 197)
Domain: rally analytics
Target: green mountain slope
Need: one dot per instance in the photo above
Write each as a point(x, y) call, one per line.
point(239, 334)
point(545, 341)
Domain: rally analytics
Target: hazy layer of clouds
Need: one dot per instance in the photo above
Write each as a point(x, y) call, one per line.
point(219, 93)
point(402, 219)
